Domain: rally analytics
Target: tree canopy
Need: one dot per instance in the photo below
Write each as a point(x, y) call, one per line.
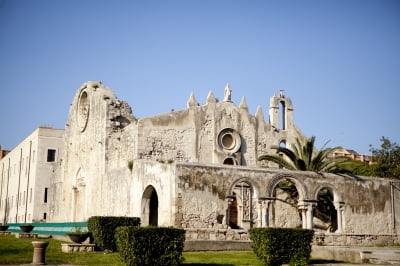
point(304, 157)
point(385, 161)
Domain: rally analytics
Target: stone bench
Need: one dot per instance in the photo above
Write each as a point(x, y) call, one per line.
point(26, 235)
point(68, 248)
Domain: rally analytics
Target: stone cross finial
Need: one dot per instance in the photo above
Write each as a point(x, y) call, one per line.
point(227, 93)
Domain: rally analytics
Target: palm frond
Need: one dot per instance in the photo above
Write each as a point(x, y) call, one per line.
point(278, 160)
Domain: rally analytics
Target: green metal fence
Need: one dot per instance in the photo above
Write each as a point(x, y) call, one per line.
point(51, 228)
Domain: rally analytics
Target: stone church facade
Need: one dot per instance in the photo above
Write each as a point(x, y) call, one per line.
point(197, 169)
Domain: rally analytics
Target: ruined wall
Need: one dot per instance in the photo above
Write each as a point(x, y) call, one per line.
point(121, 135)
point(362, 201)
point(87, 133)
point(168, 137)
point(123, 192)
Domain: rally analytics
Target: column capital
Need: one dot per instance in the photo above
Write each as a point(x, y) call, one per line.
point(230, 198)
point(265, 200)
point(339, 205)
point(306, 204)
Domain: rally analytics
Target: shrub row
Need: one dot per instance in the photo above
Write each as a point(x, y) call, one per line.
point(150, 246)
point(103, 229)
point(277, 246)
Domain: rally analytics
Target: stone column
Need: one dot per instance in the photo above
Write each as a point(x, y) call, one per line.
point(270, 218)
point(264, 211)
point(303, 210)
point(306, 208)
point(310, 214)
point(260, 212)
point(339, 206)
point(39, 252)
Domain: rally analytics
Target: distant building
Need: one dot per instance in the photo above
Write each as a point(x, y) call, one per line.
point(351, 154)
point(26, 174)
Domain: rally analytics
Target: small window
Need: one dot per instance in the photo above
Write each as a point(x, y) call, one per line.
point(45, 194)
point(51, 155)
point(44, 216)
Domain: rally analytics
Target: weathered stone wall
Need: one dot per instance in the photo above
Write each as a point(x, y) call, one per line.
point(121, 138)
point(364, 201)
point(334, 239)
point(167, 137)
point(84, 164)
point(123, 191)
point(191, 135)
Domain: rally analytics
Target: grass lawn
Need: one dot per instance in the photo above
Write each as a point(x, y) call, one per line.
point(20, 251)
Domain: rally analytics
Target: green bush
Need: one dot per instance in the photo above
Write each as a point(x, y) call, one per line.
point(148, 246)
point(103, 229)
point(277, 246)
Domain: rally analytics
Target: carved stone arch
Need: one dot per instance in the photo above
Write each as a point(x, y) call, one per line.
point(79, 201)
point(255, 186)
point(241, 203)
point(301, 188)
point(79, 179)
point(336, 196)
point(331, 210)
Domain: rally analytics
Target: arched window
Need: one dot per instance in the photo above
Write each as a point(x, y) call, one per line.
point(282, 121)
point(282, 144)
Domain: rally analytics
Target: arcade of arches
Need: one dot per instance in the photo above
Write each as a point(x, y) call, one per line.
point(285, 207)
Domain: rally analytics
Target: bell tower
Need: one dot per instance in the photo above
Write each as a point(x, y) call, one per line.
point(281, 112)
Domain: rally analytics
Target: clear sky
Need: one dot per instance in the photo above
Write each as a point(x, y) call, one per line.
point(338, 61)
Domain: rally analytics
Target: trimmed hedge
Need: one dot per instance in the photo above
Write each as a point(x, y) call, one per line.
point(103, 229)
point(150, 246)
point(277, 246)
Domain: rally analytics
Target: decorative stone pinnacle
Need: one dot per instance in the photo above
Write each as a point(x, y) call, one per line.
point(211, 98)
point(192, 101)
point(259, 113)
point(243, 104)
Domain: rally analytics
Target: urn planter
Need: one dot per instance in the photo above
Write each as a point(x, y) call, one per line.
point(3, 227)
point(26, 228)
point(78, 237)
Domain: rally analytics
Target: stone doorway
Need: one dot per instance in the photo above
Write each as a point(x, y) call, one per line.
point(233, 215)
point(149, 214)
point(241, 206)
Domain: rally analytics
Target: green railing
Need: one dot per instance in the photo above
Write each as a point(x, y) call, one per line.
point(51, 228)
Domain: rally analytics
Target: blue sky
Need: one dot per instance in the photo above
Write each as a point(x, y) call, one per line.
point(339, 61)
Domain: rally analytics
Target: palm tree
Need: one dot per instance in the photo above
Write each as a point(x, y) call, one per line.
point(305, 157)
